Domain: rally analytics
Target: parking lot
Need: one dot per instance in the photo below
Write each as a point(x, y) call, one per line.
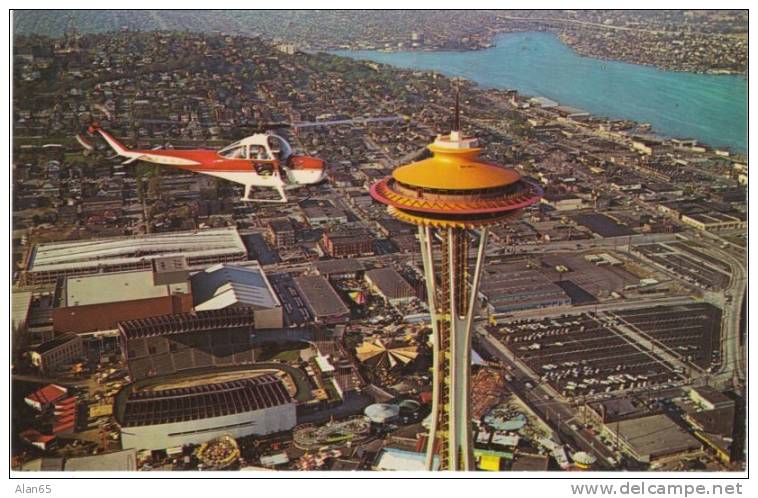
point(295, 311)
point(691, 332)
point(580, 356)
point(687, 264)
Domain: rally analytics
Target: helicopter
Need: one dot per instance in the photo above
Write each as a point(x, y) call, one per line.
point(263, 160)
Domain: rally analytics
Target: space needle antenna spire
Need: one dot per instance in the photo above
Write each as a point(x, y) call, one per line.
point(457, 115)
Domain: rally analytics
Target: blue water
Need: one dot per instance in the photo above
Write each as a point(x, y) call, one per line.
point(709, 108)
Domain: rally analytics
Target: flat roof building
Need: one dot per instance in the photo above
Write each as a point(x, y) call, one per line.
point(89, 303)
point(390, 285)
point(47, 262)
point(516, 290)
point(345, 243)
point(340, 269)
point(714, 221)
point(652, 437)
point(322, 300)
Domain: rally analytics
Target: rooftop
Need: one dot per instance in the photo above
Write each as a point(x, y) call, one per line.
point(653, 436)
point(117, 287)
point(224, 285)
point(321, 298)
point(204, 401)
point(390, 283)
point(62, 256)
point(181, 323)
point(55, 342)
point(333, 266)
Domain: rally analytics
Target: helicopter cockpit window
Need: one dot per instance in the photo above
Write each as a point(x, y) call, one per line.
point(279, 147)
point(259, 152)
point(234, 152)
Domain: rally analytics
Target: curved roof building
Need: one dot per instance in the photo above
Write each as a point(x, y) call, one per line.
point(164, 418)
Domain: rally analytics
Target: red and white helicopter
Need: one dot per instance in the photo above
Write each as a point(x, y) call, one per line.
point(262, 160)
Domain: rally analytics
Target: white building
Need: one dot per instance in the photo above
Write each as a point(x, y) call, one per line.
point(225, 285)
point(159, 419)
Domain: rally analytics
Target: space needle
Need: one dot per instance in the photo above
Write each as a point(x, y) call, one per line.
point(453, 197)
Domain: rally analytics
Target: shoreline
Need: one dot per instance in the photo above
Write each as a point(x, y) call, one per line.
point(652, 131)
point(492, 43)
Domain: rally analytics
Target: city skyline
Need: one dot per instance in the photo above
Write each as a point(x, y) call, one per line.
point(349, 265)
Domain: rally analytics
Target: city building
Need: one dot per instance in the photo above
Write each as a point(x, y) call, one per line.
point(318, 216)
point(390, 285)
point(97, 302)
point(45, 397)
point(714, 221)
point(347, 243)
point(652, 437)
point(563, 202)
point(45, 263)
point(58, 352)
point(281, 233)
point(323, 302)
point(165, 418)
point(225, 285)
point(340, 269)
point(516, 290)
point(173, 343)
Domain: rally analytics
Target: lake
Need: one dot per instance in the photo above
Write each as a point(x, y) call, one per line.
point(711, 108)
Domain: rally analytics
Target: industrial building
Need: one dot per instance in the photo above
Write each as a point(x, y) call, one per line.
point(58, 352)
point(390, 285)
point(649, 438)
point(45, 263)
point(714, 221)
point(163, 418)
point(340, 269)
point(89, 303)
point(172, 343)
point(347, 243)
point(318, 216)
point(563, 202)
point(322, 300)
point(224, 285)
point(281, 233)
point(516, 290)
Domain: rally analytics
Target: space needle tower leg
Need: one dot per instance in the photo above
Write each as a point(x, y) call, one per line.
point(453, 306)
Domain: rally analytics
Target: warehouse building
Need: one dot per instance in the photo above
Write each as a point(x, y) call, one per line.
point(649, 438)
point(714, 221)
point(318, 216)
point(516, 290)
point(224, 285)
point(89, 303)
point(322, 300)
point(348, 243)
point(173, 343)
point(281, 233)
point(61, 351)
point(45, 263)
point(390, 285)
point(196, 413)
point(340, 269)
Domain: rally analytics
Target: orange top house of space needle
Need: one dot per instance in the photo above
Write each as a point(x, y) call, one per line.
point(458, 195)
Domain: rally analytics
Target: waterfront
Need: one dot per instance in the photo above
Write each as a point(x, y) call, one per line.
point(710, 108)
